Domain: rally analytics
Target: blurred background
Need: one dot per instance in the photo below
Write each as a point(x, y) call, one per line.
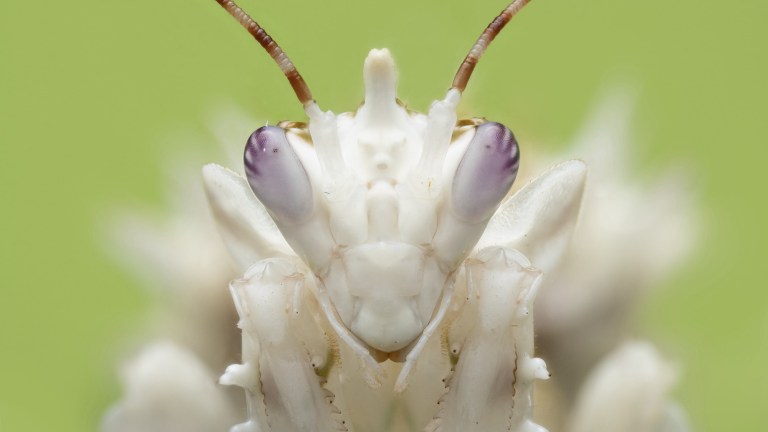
point(94, 95)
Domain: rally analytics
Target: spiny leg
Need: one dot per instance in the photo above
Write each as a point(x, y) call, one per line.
point(283, 345)
point(490, 388)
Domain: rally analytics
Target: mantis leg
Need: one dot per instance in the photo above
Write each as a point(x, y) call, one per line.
point(283, 346)
point(490, 388)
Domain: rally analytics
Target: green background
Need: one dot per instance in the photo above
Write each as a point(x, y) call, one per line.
point(89, 90)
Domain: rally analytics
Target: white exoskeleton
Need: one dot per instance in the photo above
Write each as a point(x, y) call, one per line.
point(387, 285)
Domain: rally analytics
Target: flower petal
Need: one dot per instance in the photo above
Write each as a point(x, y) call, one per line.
point(539, 219)
point(248, 231)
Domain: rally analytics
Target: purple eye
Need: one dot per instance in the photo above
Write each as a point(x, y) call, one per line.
point(277, 176)
point(485, 173)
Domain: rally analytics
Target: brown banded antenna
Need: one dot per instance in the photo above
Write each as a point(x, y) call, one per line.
point(485, 39)
point(302, 90)
point(278, 55)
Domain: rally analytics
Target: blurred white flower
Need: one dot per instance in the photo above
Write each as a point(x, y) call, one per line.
point(628, 236)
point(169, 389)
point(626, 391)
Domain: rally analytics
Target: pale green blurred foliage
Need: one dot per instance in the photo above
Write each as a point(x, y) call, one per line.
point(90, 92)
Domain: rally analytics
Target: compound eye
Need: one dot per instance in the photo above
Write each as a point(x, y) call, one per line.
point(277, 176)
point(485, 173)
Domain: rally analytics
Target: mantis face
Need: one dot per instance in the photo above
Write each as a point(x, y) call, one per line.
point(383, 204)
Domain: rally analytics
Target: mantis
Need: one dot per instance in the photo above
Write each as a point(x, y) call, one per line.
point(388, 278)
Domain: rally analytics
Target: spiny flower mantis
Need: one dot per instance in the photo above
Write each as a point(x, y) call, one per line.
point(386, 269)
point(388, 283)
